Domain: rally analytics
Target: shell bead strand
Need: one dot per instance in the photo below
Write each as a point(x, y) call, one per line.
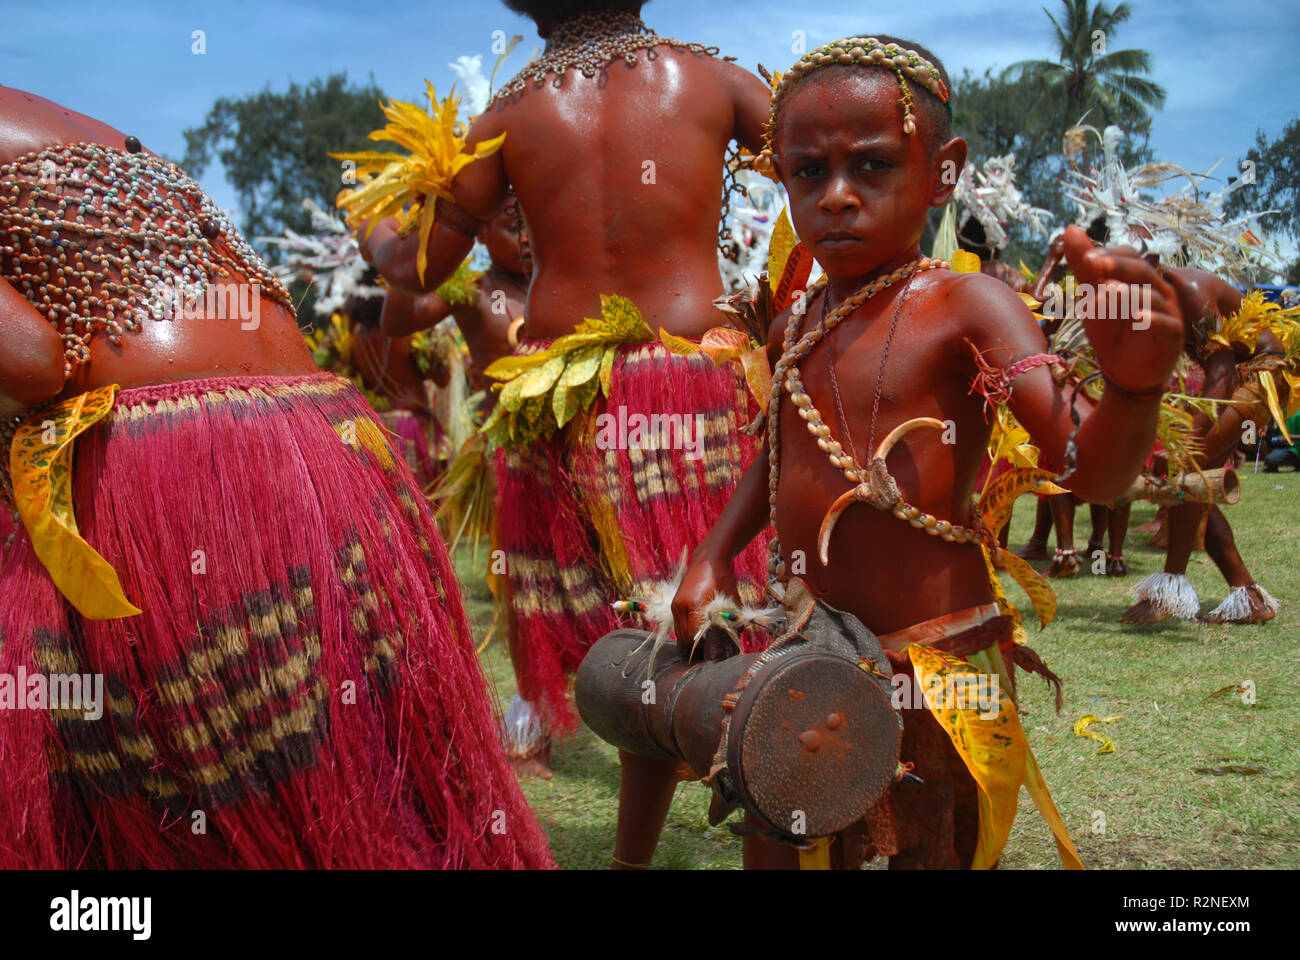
point(786, 377)
point(89, 234)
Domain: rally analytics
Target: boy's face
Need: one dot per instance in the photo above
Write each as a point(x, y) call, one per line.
point(860, 188)
point(503, 236)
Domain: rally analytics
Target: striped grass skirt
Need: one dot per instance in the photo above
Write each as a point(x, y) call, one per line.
point(607, 506)
point(301, 688)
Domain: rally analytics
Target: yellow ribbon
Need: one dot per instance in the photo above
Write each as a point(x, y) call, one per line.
point(40, 462)
point(1086, 721)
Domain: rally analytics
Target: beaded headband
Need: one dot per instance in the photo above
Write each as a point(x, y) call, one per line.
point(864, 52)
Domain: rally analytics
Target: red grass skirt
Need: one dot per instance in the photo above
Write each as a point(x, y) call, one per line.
point(8, 529)
point(411, 432)
point(583, 526)
point(306, 695)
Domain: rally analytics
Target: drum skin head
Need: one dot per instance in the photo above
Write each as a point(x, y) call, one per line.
point(815, 746)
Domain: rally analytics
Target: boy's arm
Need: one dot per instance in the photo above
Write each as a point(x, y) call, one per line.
point(478, 191)
point(709, 573)
point(1136, 355)
point(31, 364)
point(744, 518)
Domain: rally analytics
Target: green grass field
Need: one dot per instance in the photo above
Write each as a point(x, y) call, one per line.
point(1197, 780)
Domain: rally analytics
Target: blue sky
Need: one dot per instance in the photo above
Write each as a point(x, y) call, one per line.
point(131, 65)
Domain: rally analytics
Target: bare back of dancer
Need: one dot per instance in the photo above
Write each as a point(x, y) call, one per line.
point(619, 177)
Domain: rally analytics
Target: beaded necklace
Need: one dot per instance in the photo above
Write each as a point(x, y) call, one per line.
point(590, 42)
point(92, 236)
point(883, 491)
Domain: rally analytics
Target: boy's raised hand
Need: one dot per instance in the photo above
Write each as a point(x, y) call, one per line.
point(1138, 347)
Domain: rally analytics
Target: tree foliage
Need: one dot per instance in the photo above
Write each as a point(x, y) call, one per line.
point(1027, 108)
point(1275, 168)
point(275, 145)
point(1087, 76)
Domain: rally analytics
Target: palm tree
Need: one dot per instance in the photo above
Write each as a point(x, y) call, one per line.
point(1086, 77)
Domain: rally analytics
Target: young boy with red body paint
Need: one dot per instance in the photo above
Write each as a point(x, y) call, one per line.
point(861, 137)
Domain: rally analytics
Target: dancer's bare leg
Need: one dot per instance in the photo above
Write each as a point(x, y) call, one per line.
point(1118, 530)
point(531, 758)
point(1247, 602)
point(1099, 514)
point(1182, 523)
point(1066, 561)
point(1036, 548)
point(644, 796)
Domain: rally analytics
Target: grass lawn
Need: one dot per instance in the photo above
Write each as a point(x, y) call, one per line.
point(1197, 780)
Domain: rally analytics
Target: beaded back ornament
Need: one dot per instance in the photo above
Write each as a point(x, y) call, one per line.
point(90, 235)
point(589, 43)
point(863, 52)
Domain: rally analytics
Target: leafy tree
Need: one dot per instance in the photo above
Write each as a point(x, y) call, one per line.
point(1028, 107)
point(1275, 169)
point(1089, 78)
point(274, 147)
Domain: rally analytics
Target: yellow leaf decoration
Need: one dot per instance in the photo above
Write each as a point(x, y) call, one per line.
point(994, 510)
point(607, 369)
point(963, 261)
point(1037, 788)
point(1009, 441)
point(1257, 315)
point(677, 345)
point(779, 248)
point(404, 186)
point(583, 368)
point(506, 368)
point(995, 503)
point(543, 391)
point(1039, 590)
point(1293, 393)
point(1081, 730)
point(721, 344)
point(40, 462)
point(758, 375)
point(538, 382)
point(1269, 386)
point(1034, 304)
point(994, 748)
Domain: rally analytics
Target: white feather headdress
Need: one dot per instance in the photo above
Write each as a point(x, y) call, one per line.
point(1187, 227)
point(991, 197)
point(330, 258)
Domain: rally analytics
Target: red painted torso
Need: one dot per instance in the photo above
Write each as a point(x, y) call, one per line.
point(884, 571)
